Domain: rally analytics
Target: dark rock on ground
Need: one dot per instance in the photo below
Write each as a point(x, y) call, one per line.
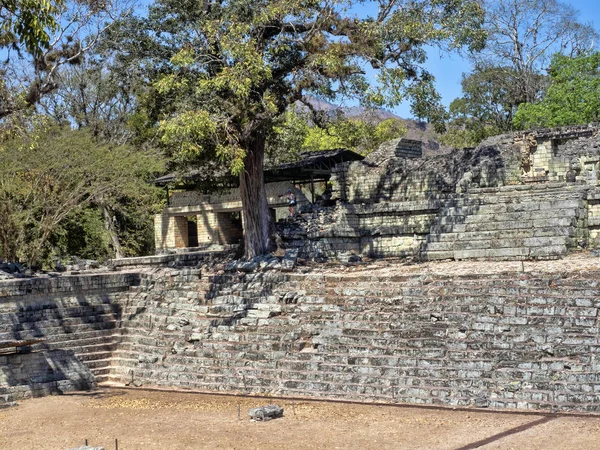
point(264, 413)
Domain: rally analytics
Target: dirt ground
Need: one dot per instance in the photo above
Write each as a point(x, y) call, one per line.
point(141, 419)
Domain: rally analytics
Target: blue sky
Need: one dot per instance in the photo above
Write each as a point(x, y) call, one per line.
point(448, 68)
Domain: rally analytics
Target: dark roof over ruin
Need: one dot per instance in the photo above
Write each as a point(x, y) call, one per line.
point(315, 165)
point(311, 165)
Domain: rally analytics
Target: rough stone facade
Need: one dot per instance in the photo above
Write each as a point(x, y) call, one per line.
point(524, 196)
point(76, 317)
point(487, 339)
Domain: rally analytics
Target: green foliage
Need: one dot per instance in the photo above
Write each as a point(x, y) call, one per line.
point(28, 22)
point(522, 35)
point(470, 136)
point(490, 97)
point(573, 96)
point(49, 175)
point(225, 74)
point(354, 134)
point(295, 134)
point(82, 234)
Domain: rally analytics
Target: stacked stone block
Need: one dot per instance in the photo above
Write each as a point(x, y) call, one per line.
point(37, 374)
point(528, 222)
point(77, 319)
point(500, 340)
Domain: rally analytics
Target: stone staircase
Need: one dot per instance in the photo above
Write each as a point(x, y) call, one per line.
point(495, 340)
point(75, 329)
point(520, 222)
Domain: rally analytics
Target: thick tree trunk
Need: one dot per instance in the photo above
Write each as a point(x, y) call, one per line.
point(255, 209)
point(110, 227)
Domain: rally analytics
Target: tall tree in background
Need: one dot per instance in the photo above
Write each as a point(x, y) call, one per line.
point(573, 97)
point(522, 37)
point(40, 37)
point(230, 69)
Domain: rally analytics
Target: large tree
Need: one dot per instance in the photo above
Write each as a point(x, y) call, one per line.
point(234, 67)
point(39, 37)
point(522, 37)
point(573, 97)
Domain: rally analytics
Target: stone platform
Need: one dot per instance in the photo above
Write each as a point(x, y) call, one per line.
point(506, 334)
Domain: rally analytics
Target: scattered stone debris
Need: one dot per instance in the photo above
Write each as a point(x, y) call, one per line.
point(264, 413)
point(11, 270)
point(349, 258)
point(290, 258)
point(78, 264)
point(4, 404)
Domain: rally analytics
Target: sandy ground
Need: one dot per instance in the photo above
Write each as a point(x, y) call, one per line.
point(141, 419)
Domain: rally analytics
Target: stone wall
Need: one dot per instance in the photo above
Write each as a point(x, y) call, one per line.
point(75, 316)
point(487, 339)
point(532, 195)
point(515, 340)
point(26, 375)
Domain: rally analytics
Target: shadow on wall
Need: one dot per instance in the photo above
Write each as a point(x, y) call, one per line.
point(394, 205)
point(77, 322)
point(44, 372)
point(432, 177)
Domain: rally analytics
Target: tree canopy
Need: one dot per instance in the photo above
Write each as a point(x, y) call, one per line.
point(573, 97)
point(53, 173)
point(511, 70)
point(224, 72)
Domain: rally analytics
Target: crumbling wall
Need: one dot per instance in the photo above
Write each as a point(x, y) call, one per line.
point(382, 176)
point(516, 196)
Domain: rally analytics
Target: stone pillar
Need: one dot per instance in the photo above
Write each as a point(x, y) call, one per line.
point(180, 231)
point(170, 232)
point(207, 224)
point(161, 232)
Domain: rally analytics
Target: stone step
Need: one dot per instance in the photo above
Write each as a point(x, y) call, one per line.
point(504, 234)
point(95, 356)
point(68, 340)
point(65, 323)
point(57, 332)
point(500, 243)
point(98, 365)
point(92, 348)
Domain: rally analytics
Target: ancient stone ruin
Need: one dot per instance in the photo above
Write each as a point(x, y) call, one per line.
point(518, 329)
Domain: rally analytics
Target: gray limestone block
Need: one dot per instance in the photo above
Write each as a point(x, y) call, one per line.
point(264, 413)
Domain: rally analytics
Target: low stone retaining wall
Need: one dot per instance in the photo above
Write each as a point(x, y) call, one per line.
point(514, 339)
point(76, 317)
point(501, 340)
point(41, 373)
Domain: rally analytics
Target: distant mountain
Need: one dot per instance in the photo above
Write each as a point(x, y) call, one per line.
point(416, 129)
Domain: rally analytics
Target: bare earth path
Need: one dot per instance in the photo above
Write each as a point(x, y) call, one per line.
point(146, 420)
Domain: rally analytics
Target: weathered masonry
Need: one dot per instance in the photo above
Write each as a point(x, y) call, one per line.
point(194, 219)
point(488, 339)
point(531, 195)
